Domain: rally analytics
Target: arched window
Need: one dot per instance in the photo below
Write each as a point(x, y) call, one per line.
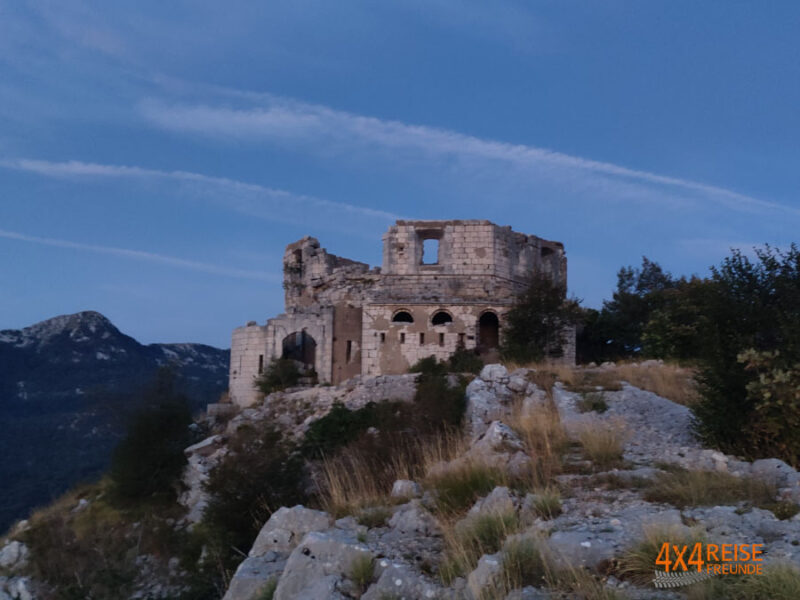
point(441, 318)
point(402, 316)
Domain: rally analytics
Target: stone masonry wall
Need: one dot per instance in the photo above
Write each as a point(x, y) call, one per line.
point(248, 351)
point(390, 348)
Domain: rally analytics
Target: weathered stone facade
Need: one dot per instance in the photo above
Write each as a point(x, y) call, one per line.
point(443, 285)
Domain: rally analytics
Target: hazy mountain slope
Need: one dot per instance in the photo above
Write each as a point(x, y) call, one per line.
point(67, 385)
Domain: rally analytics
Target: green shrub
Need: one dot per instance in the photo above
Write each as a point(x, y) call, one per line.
point(747, 403)
point(362, 571)
point(260, 474)
point(281, 373)
point(147, 464)
point(438, 404)
point(536, 325)
point(464, 361)
point(547, 503)
point(775, 396)
point(525, 563)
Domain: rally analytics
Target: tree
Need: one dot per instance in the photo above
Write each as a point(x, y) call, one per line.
point(617, 330)
point(537, 324)
point(148, 462)
point(750, 305)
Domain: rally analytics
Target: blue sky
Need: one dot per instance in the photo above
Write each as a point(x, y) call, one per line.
point(156, 158)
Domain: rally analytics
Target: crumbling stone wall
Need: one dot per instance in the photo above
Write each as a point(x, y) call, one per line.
point(350, 310)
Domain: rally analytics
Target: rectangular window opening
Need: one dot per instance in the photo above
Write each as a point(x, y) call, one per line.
point(430, 252)
point(441, 339)
point(421, 339)
point(402, 338)
point(348, 355)
point(383, 338)
point(260, 364)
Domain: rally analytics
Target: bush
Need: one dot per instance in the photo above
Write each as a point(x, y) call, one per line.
point(775, 396)
point(746, 400)
point(537, 323)
point(260, 474)
point(281, 373)
point(148, 463)
point(342, 426)
point(464, 361)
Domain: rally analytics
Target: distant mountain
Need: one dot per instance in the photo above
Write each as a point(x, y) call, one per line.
point(67, 386)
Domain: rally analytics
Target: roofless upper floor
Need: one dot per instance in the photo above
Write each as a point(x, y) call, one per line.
point(469, 248)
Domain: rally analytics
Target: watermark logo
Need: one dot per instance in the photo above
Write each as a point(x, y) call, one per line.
point(685, 564)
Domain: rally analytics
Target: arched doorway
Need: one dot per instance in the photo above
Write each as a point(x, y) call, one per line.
point(488, 331)
point(301, 347)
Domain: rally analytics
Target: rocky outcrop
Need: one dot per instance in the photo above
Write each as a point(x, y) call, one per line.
point(292, 411)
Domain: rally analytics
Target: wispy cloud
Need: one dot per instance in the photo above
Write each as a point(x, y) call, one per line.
point(248, 198)
point(163, 259)
point(717, 248)
point(286, 120)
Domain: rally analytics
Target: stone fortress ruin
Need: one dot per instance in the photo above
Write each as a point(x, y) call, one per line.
point(443, 285)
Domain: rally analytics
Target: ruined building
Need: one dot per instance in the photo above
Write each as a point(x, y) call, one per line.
point(443, 284)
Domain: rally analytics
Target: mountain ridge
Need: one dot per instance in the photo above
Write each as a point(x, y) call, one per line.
point(67, 385)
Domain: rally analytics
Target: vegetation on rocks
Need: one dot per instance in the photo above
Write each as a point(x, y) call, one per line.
point(280, 373)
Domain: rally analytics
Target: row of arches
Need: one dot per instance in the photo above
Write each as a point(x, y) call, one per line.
point(488, 324)
point(440, 317)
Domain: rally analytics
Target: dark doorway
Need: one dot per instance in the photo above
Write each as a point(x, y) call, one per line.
point(488, 331)
point(301, 347)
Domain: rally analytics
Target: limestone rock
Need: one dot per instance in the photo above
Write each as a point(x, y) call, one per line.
point(318, 567)
point(580, 548)
point(13, 556)
point(286, 527)
point(412, 518)
point(401, 582)
point(494, 373)
point(405, 488)
point(253, 576)
point(499, 438)
point(485, 574)
point(499, 501)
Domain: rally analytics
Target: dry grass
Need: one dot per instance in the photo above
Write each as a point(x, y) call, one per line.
point(668, 381)
point(603, 442)
point(362, 572)
point(639, 562)
point(546, 442)
point(544, 375)
point(460, 486)
point(529, 562)
point(468, 540)
point(350, 485)
point(778, 582)
point(683, 488)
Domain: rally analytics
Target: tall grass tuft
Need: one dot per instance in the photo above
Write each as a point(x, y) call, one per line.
point(639, 562)
point(683, 488)
point(603, 442)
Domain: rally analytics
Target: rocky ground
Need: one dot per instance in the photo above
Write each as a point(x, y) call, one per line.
point(603, 509)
